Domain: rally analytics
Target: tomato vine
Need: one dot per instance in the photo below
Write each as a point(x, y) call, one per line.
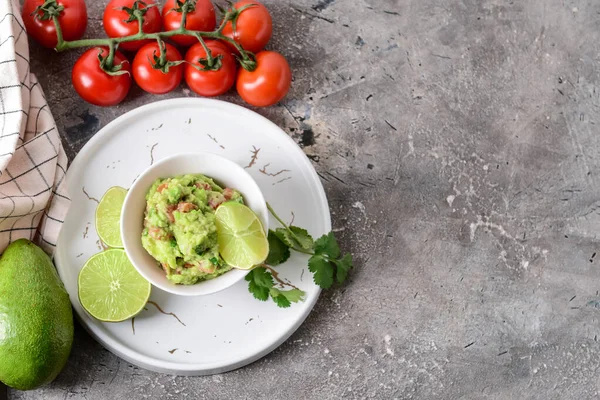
point(246, 59)
point(208, 66)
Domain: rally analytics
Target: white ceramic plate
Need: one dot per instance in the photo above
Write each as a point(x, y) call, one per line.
point(206, 334)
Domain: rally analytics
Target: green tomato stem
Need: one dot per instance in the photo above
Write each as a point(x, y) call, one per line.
point(46, 11)
point(210, 61)
point(226, 18)
point(111, 55)
point(140, 19)
point(162, 47)
point(246, 59)
point(238, 46)
point(74, 44)
point(184, 12)
point(59, 34)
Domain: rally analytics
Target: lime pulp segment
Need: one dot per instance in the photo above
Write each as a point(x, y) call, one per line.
point(108, 216)
point(110, 288)
point(241, 236)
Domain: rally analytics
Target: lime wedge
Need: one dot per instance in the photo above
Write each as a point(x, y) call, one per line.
point(110, 288)
point(241, 237)
point(108, 216)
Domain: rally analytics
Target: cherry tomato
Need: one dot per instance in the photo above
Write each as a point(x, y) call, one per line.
point(203, 18)
point(96, 86)
point(253, 26)
point(211, 82)
point(154, 80)
point(116, 25)
point(268, 83)
point(73, 21)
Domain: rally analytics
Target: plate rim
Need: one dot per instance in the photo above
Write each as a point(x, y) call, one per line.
point(151, 363)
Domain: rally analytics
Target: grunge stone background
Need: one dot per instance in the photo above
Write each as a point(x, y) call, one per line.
point(458, 145)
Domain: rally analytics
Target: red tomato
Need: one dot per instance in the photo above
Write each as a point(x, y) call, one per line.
point(203, 18)
point(211, 82)
point(253, 26)
point(116, 25)
point(73, 21)
point(96, 86)
point(268, 83)
point(154, 80)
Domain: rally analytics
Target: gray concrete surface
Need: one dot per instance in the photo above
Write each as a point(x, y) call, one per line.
point(458, 145)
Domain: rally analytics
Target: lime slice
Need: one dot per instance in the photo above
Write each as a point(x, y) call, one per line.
point(110, 288)
point(108, 216)
point(241, 237)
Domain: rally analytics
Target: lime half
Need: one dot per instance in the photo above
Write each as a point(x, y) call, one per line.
point(241, 237)
point(108, 216)
point(110, 288)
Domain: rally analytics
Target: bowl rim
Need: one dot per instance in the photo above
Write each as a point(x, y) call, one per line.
point(186, 290)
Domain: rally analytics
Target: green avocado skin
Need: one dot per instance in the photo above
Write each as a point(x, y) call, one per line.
point(36, 319)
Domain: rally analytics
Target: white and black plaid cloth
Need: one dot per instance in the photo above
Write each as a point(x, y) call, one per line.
point(33, 198)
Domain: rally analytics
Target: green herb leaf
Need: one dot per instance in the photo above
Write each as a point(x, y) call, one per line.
point(279, 252)
point(325, 263)
point(293, 295)
point(284, 298)
point(302, 237)
point(327, 244)
point(323, 271)
point(260, 283)
point(295, 237)
point(261, 276)
point(343, 267)
point(281, 300)
point(286, 237)
point(200, 249)
point(259, 292)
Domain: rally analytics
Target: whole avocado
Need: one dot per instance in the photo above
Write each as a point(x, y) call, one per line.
point(36, 319)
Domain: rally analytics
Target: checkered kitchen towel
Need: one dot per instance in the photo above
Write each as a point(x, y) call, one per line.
point(33, 198)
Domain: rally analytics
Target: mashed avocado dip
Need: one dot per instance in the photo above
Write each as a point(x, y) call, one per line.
point(180, 230)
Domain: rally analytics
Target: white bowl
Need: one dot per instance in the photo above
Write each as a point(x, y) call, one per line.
point(226, 173)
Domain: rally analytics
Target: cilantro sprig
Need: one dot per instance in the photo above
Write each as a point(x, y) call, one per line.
point(262, 286)
point(326, 263)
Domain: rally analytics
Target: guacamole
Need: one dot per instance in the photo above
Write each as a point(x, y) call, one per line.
point(180, 230)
